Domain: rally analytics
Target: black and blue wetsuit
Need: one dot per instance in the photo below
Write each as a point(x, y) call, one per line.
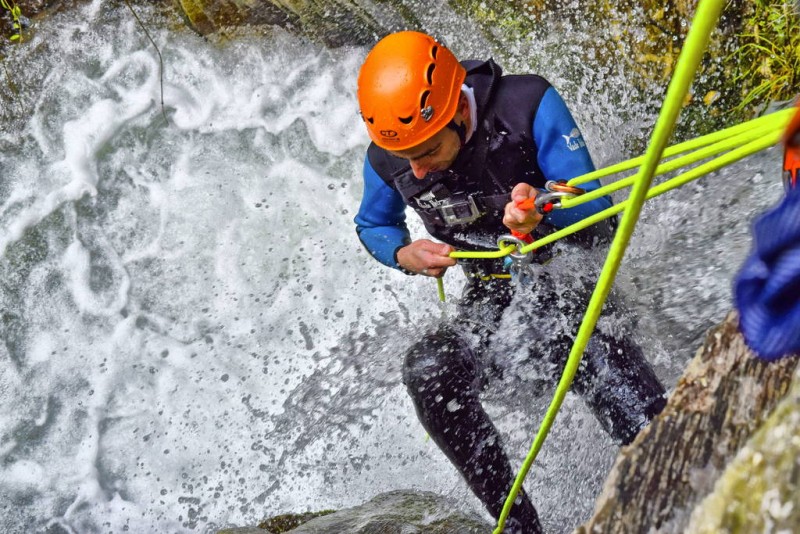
point(558, 152)
point(524, 133)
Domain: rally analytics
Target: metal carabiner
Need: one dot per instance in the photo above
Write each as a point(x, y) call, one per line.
point(546, 202)
point(562, 187)
point(517, 257)
point(520, 268)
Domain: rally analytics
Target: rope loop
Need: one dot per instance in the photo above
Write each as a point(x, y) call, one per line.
point(519, 256)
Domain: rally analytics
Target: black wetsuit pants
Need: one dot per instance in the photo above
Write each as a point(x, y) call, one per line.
point(446, 370)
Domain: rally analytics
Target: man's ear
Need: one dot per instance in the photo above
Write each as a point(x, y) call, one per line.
point(463, 105)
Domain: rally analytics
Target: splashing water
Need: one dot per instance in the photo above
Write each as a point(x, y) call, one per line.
point(193, 336)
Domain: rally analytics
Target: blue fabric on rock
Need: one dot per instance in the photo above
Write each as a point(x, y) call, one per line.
point(767, 289)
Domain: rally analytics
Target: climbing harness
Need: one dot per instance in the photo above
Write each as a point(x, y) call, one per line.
point(728, 145)
point(733, 143)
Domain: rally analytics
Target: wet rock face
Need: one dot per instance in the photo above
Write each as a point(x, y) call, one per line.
point(334, 22)
point(29, 10)
point(209, 16)
point(395, 512)
point(723, 398)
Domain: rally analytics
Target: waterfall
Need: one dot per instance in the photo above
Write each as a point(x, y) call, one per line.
point(193, 336)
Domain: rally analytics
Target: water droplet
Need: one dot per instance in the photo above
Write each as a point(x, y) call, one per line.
point(453, 405)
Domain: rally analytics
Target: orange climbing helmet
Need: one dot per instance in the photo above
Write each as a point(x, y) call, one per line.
point(408, 89)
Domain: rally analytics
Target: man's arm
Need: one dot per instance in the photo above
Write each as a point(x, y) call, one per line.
point(563, 155)
point(381, 219)
point(381, 227)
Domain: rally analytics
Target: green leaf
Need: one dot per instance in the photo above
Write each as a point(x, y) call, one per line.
point(16, 25)
point(16, 12)
point(14, 37)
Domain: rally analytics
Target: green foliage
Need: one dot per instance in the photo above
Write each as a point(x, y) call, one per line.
point(768, 58)
point(16, 13)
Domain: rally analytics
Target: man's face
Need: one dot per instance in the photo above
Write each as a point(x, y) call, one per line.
point(435, 154)
point(440, 151)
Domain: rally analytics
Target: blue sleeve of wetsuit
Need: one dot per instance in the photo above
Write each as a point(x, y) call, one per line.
point(563, 155)
point(381, 219)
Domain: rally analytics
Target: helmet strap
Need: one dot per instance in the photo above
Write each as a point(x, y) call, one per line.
point(460, 130)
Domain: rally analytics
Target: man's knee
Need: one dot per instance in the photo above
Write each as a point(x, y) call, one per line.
point(621, 386)
point(438, 369)
point(430, 357)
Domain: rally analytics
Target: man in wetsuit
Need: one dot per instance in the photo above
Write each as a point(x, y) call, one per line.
point(462, 145)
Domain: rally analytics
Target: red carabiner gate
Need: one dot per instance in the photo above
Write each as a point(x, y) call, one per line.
point(791, 154)
point(525, 205)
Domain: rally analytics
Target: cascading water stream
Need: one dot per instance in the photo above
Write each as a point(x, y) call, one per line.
point(193, 336)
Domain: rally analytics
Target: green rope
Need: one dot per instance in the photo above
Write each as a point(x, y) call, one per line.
point(741, 146)
point(722, 145)
point(682, 179)
point(685, 146)
point(704, 22)
point(744, 141)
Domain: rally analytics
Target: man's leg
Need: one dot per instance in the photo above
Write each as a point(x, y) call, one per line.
point(619, 385)
point(614, 379)
point(444, 378)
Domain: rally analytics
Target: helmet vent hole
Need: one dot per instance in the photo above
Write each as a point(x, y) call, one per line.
point(371, 120)
point(406, 120)
point(434, 50)
point(424, 100)
point(431, 68)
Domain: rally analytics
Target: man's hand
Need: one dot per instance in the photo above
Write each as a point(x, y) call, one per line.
point(522, 221)
point(426, 257)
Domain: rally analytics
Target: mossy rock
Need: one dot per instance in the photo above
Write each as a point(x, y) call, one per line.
point(334, 23)
point(393, 512)
point(286, 522)
point(760, 489)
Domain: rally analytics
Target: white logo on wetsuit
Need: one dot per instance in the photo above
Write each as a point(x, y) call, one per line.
point(574, 140)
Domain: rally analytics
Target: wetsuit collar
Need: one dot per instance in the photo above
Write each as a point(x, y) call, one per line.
point(473, 110)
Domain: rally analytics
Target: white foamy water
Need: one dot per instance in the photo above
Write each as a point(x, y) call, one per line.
point(192, 335)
